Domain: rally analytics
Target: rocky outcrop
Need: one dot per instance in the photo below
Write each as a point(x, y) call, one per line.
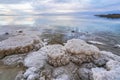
point(19, 44)
point(81, 52)
point(77, 60)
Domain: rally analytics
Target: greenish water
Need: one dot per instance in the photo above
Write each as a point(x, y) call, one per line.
point(9, 73)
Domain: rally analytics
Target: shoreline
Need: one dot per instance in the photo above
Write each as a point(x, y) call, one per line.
point(111, 16)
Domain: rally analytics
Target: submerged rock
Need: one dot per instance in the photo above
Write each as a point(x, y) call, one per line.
point(81, 51)
point(96, 42)
point(19, 76)
point(19, 44)
point(13, 60)
point(117, 46)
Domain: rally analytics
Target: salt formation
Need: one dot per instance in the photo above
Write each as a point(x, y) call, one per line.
point(13, 60)
point(103, 74)
point(35, 59)
point(57, 62)
point(57, 55)
point(81, 51)
point(19, 44)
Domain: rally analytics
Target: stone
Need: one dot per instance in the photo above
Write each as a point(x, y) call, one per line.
point(88, 65)
point(81, 52)
point(100, 62)
point(13, 60)
point(109, 56)
point(31, 73)
point(35, 59)
point(19, 44)
point(102, 74)
point(57, 55)
point(19, 76)
point(111, 65)
point(62, 77)
point(85, 74)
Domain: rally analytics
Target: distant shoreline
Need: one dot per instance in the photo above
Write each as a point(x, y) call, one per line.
point(112, 16)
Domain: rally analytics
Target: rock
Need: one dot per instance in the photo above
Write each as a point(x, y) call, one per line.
point(109, 56)
point(32, 73)
point(111, 65)
point(35, 59)
point(19, 44)
point(33, 77)
point(117, 46)
point(100, 62)
point(85, 74)
point(88, 65)
point(81, 51)
point(96, 42)
point(59, 71)
point(46, 73)
point(13, 60)
point(57, 55)
point(102, 74)
point(6, 33)
point(19, 76)
point(62, 77)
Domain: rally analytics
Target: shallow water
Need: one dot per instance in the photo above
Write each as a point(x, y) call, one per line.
point(9, 73)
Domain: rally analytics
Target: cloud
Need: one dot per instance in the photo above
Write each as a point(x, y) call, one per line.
point(56, 6)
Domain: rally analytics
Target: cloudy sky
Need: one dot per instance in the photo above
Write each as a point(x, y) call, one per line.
point(18, 7)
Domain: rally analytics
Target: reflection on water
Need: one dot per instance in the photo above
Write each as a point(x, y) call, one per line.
point(81, 22)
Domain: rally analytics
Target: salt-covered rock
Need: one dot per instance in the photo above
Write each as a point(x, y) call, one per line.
point(96, 42)
point(109, 56)
point(102, 74)
point(85, 74)
point(81, 51)
point(111, 65)
point(33, 77)
point(59, 71)
point(117, 46)
point(13, 60)
point(57, 55)
point(35, 59)
point(100, 62)
point(19, 44)
point(88, 65)
point(19, 76)
point(31, 73)
point(63, 77)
